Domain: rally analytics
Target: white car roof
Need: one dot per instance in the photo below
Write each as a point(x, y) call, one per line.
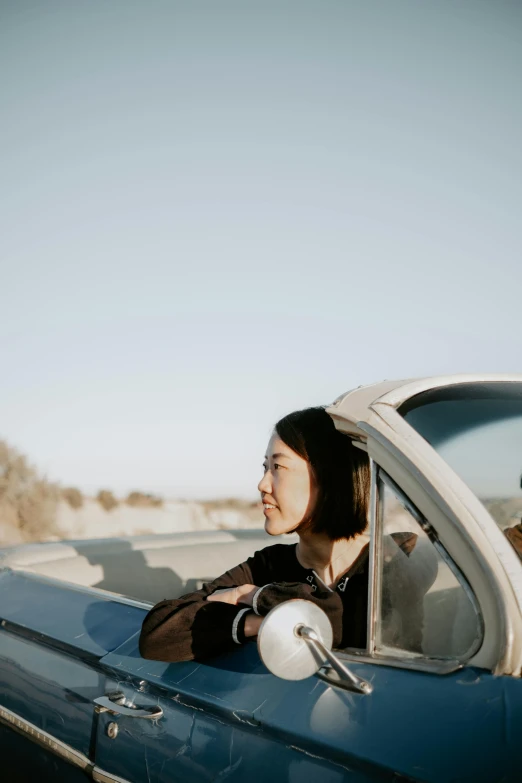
point(357, 405)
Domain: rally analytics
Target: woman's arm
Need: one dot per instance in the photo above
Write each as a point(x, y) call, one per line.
point(263, 599)
point(218, 617)
point(267, 597)
point(192, 628)
point(242, 594)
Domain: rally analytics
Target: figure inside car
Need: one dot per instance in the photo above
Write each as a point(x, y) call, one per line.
point(315, 483)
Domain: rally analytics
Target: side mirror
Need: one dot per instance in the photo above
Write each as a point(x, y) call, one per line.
point(295, 641)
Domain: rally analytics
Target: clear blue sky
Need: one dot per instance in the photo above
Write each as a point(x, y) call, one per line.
point(216, 212)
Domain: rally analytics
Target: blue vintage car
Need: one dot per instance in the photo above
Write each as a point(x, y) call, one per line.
point(77, 701)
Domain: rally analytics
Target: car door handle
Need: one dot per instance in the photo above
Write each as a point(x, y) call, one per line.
point(114, 704)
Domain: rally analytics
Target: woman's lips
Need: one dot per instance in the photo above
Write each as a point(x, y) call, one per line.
point(269, 508)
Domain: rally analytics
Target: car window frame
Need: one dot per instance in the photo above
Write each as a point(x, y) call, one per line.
point(393, 657)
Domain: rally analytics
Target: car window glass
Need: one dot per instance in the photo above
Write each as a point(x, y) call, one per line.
point(477, 430)
point(424, 605)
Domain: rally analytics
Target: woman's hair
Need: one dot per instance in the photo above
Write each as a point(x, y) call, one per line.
point(340, 470)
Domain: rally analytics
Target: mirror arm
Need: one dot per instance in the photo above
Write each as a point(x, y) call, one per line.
point(346, 680)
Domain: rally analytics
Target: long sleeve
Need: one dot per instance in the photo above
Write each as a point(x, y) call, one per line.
point(190, 628)
point(330, 602)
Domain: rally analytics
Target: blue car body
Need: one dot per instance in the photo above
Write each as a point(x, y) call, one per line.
point(62, 646)
point(230, 718)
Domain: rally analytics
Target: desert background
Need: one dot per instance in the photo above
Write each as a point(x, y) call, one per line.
point(32, 508)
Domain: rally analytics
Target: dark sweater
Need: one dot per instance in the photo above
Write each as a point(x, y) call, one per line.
point(190, 628)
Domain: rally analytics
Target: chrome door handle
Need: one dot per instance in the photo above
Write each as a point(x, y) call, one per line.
point(114, 705)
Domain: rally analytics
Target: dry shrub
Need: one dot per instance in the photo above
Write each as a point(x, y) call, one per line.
point(143, 500)
point(106, 499)
point(73, 496)
point(28, 502)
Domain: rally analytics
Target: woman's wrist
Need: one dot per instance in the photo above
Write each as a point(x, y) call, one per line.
point(246, 594)
point(252, 624)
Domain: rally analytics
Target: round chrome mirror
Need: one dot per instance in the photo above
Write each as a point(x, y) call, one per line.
point(283, 651)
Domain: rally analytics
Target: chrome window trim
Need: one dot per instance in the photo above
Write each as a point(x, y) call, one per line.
point(27, 729)
point(418, 664)
point(373, 587)
point(100, 776)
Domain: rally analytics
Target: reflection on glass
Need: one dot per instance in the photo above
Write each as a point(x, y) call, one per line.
point(423, 607)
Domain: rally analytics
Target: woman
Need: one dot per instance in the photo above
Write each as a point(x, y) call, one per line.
point(315, 483)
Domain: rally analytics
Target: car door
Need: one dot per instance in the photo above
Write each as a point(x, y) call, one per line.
point(217, 722)
point(428, 717)
point(234, 720)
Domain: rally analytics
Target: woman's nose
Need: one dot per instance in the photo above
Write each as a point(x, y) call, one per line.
point(265, 485)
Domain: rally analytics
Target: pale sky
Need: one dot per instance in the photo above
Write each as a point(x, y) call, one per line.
point(214, 213)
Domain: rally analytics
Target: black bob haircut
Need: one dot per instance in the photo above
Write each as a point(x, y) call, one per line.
point(340, 470)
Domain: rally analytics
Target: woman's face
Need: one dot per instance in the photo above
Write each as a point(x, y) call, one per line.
point(287, 488)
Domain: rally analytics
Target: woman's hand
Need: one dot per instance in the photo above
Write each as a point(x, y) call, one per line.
point(234, 595)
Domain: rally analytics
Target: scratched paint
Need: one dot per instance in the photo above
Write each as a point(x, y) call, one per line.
point(277, 730)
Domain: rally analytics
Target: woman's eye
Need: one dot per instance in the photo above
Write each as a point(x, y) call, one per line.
point(276, 466)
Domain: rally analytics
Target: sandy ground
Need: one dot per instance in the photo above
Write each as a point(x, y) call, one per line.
point(92, 521)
